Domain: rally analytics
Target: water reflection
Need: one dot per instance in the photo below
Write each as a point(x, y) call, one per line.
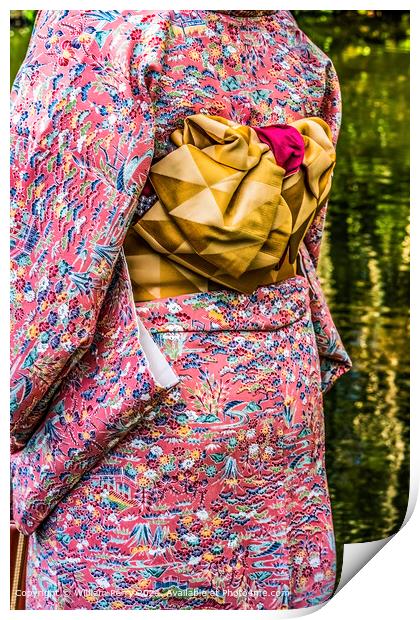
point(365, 272)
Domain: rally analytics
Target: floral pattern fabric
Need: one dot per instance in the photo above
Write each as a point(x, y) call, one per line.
point(96, 98)
point(219, 499)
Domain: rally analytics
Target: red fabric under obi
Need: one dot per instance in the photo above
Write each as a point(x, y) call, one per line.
point(286, 143)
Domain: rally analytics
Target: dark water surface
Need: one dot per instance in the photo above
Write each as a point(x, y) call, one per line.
point(365, 271)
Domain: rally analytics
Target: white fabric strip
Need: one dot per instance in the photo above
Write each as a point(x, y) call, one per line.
point(158, 365)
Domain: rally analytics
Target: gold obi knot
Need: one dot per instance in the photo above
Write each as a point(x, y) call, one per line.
point(226, 213)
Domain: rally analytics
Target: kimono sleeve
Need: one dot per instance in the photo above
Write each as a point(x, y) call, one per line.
point(82, 139)
point(334, 359)
point(330, 111)
point(101, 399)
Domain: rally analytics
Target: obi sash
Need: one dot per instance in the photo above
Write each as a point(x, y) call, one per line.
point(231, 205)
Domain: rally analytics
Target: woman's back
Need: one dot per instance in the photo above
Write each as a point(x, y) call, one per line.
point(98, 96)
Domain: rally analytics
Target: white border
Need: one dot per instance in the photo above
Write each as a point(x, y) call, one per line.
point(387, 585)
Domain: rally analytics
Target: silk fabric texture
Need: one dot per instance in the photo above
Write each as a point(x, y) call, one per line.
point(226, 209)
point(106, 105)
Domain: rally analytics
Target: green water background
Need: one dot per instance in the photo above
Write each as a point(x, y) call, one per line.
point(364, 265)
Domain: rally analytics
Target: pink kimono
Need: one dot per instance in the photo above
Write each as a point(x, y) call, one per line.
point(168, 453)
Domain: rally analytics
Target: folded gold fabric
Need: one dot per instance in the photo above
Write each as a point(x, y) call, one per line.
point(225, 210)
